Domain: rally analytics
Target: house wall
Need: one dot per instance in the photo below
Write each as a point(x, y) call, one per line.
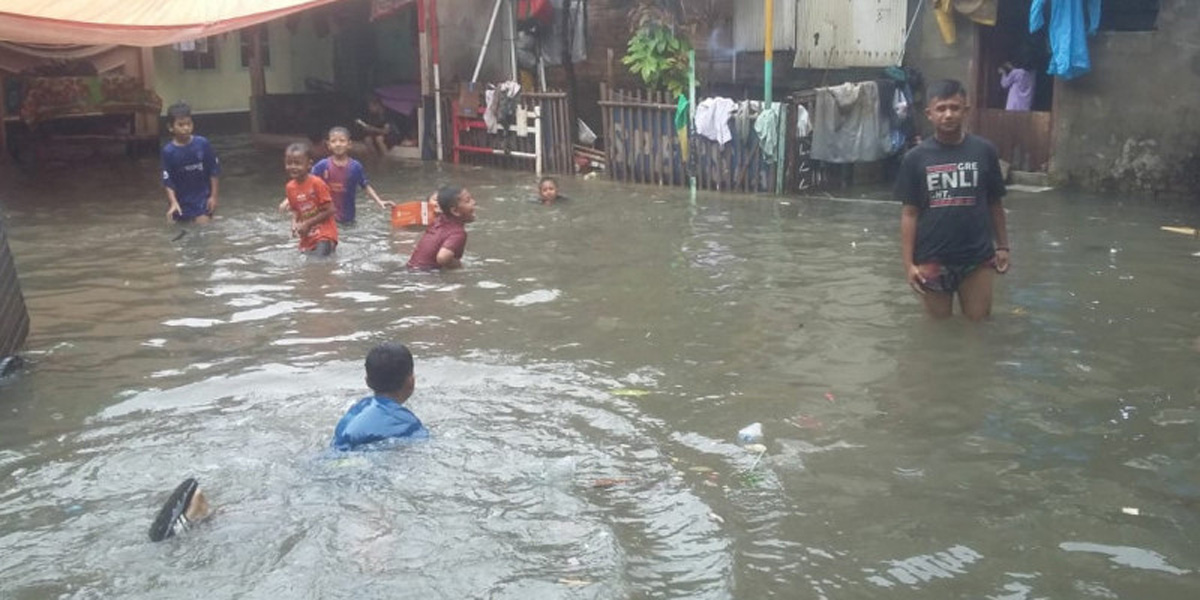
point(1133, 123)
point(1130, 125)
point(294, 57)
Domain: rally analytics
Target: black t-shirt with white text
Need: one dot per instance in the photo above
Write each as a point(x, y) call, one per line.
point(953, 188)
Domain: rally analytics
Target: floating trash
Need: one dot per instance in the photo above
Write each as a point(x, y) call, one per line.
point(750, 434)
point(631, 392)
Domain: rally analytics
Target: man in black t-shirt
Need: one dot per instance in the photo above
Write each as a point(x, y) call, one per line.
point(952, 227)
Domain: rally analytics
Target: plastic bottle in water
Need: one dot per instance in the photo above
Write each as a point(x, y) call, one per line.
point(750, 434)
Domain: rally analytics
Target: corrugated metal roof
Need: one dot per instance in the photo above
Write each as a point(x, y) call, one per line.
point(844, 33)
point(749, 31)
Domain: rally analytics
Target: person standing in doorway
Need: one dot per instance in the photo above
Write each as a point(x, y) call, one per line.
point(1019, 82)
point(953, 233)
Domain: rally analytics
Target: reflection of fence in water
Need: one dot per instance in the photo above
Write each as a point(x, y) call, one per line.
point(14, 320)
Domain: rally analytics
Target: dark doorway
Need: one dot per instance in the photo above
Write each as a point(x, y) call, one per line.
point(1022, 137)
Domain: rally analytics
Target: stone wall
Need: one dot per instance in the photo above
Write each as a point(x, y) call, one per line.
point(1133, 123)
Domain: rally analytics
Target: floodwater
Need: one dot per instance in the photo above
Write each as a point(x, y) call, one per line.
point(584, 378)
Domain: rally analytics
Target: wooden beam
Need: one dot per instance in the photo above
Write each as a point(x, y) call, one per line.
point(258, 79)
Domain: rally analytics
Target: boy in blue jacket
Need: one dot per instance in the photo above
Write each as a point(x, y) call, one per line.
point(382, 416)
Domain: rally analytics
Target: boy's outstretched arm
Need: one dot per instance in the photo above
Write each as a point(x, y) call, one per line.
point(385, 204)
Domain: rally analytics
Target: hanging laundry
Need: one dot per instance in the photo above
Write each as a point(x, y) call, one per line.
point(743, 122)
point(681, 120)
point(979, 11)
point(1068, 35)
point(712, 119)
point(944, 13)
point(551, 38)
point(848, 126)
point(803, 124)
point(767, 126)
point(502, 103)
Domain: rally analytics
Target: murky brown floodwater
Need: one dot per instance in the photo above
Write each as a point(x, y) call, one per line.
point(627, 335)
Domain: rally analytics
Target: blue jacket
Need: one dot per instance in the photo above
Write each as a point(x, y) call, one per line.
point(1068, 35)
point(373, 419)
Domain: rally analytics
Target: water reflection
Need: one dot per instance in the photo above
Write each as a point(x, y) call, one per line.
point(584, 376)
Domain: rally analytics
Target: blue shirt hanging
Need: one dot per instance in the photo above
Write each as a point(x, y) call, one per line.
point(1068, 36)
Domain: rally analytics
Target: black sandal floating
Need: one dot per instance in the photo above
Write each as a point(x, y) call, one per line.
point(172, 518)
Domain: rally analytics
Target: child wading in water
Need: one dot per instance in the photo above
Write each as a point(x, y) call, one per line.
point(548, 191)
point(345, 176)
point(190, 169)
point(443, 243)
point(309, 200)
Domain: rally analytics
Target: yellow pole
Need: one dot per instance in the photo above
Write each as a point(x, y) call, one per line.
point(768, 48)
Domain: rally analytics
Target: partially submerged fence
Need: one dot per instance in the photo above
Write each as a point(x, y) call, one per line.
point(643, 146)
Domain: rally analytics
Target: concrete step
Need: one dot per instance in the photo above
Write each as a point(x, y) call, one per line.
point(1031, 178)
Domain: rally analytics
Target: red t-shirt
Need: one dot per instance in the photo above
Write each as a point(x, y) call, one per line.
point(446, 233)
point(307, 198)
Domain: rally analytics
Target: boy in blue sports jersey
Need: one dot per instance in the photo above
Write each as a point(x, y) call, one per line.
point(382, 416)
point(345, 176)
point(190, 169)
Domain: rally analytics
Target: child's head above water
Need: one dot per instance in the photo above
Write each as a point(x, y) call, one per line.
point(457, 203)
point(338, 141)
point(547, 190)
point(390, 371)
point(297, 160)
point(179, 121)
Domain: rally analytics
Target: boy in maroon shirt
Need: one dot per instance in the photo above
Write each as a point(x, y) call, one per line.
point(443, 243)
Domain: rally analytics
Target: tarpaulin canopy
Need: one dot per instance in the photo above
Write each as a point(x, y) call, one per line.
point(136, 22)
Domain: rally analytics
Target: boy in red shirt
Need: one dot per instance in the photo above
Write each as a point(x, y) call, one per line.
point(311, 203)
point(443, 243)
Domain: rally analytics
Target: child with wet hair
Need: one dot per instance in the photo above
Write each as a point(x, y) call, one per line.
point(444, 241)
point(185, 508)
point(311, 203)
point(382, 416)
point(548, 191)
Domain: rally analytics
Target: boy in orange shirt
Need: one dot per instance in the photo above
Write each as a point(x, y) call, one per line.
point(311, 203)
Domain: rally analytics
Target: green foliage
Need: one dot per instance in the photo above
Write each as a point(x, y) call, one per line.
point(660, 58)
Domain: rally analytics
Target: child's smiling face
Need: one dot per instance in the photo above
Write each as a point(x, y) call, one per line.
point(297, 165)
point(339, 144)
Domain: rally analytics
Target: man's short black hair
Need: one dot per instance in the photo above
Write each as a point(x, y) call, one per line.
point(548, 178)
point(298, 148)
point(179, 110)
point(945, 88)
point(388, 367)
point(447, 198)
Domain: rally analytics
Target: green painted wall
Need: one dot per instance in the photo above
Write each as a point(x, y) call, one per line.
point(294, 57)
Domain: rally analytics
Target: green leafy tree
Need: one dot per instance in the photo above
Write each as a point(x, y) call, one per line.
point(658, 50)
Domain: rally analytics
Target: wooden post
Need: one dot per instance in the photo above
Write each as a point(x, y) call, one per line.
point(258, 80)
